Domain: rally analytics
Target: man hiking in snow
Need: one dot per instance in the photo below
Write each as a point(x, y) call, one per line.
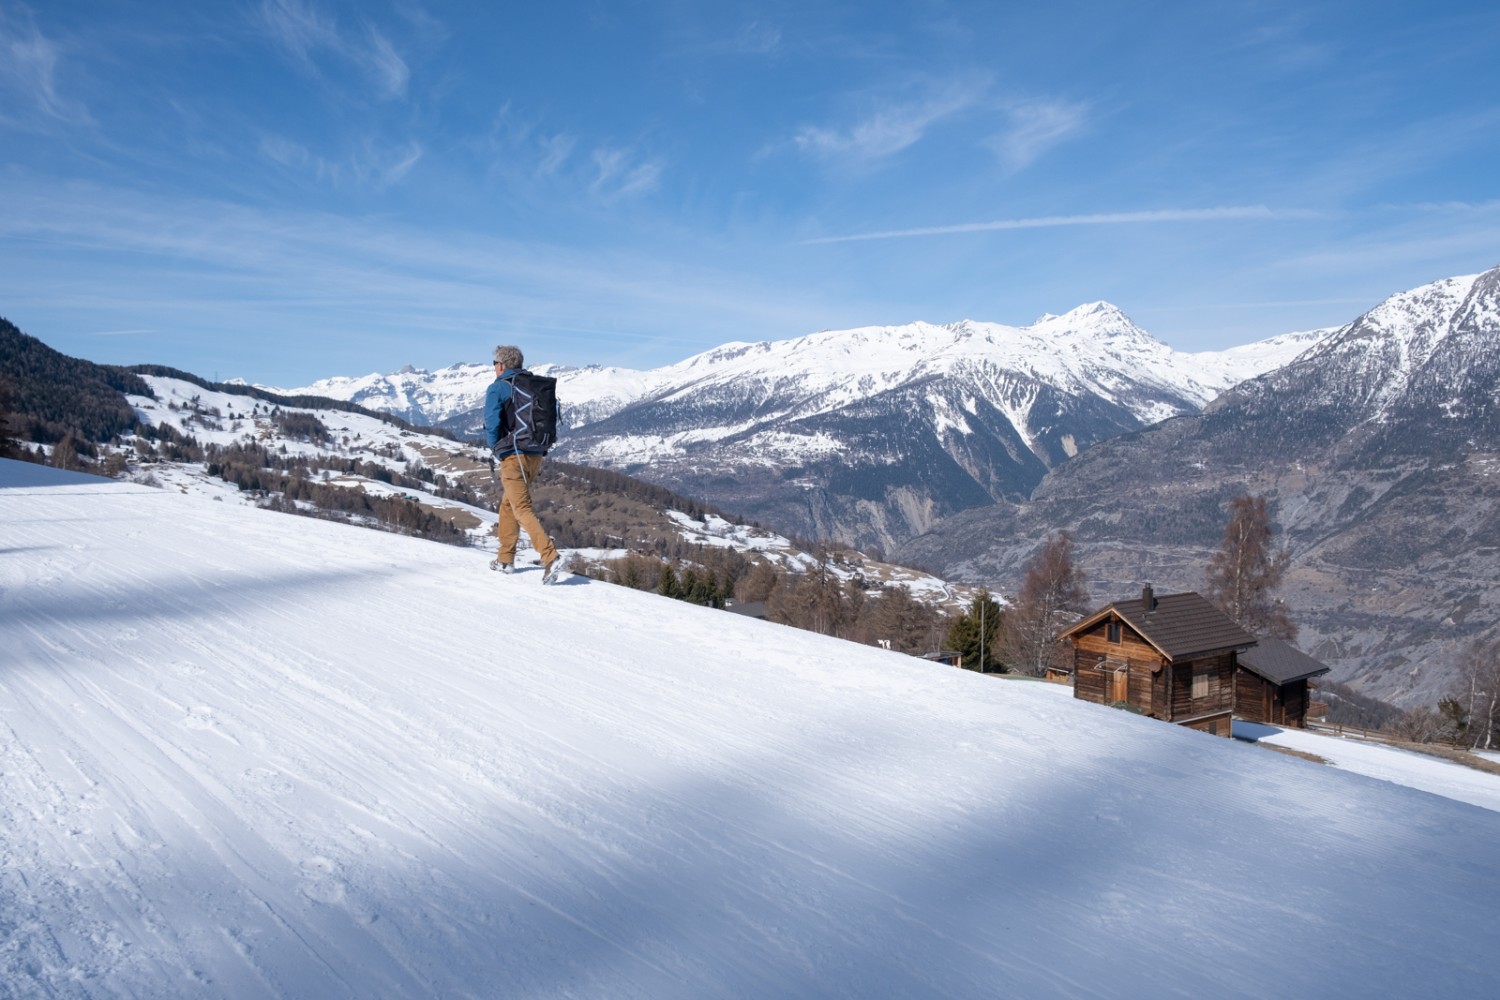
point(510, 431)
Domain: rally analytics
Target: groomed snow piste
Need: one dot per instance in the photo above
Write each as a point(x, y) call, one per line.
point(248, 754)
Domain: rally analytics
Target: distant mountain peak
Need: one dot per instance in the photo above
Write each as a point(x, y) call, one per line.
point(972, 411)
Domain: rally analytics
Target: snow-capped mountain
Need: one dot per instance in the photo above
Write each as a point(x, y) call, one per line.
point(1057, 347)
point(453, 397)
point(1419, 371)
point(1380, 446)
point(867, 435)
point(872, 435)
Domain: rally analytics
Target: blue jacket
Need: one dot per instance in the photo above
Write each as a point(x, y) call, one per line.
point(495, 399)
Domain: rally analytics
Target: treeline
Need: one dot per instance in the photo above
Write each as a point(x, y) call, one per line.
point(1347, 707)
point(48, 397)
point(1469, 716)
point(390, 513)
point(697, 575)
point(299, 486)
point(605, 481)
point(298, 483)
point(822, 599)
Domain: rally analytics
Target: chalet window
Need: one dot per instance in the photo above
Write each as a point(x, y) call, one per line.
point(1114, 632)
point(1205, 682)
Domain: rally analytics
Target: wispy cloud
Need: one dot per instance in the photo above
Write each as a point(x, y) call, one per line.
point(298, 27)
point(230, 266)
point(891, 128)
point(28, 74)
point(556, 149)
point(1232, 213)
point(381, 58)
point(527, 152)
point(755, 38)
point(1448, 207)
point(302, 30)
point(370, 164)
point(1034, 128)
point(617, 175)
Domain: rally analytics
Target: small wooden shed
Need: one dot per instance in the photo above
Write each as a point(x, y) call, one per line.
point(1172, 657)
point(1270, 684)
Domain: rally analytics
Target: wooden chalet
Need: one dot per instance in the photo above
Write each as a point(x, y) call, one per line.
point(1271, 684)
point(1172, 657)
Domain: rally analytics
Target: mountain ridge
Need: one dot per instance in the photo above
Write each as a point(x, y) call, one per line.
point(1378, 448)
point(865, 436)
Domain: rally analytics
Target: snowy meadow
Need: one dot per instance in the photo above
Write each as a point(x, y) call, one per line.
point(248, 754)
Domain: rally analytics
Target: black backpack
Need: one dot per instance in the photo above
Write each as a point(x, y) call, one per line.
point(530, 414)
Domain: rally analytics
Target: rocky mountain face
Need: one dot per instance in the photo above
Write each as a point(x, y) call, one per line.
point(1380, 448)
point(874, 435)
point(867, 436)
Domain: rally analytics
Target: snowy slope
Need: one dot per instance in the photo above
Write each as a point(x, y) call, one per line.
point(1403, 767)
point(243, 754)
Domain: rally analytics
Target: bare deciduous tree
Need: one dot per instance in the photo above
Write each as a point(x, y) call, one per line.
point(898, 621)
point(65, 453)
point(1477, 691)
point(1245, 573)
point(816, 601)
point(1052, 597)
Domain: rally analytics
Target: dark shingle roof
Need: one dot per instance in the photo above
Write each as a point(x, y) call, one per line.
point(1180, 626)
point(1281, 662)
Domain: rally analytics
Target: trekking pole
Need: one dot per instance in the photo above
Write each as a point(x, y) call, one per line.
point(499, 489)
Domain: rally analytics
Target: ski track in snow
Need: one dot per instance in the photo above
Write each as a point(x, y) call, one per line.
point(246, 754)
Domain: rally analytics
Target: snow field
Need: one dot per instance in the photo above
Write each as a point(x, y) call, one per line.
point(256, 755)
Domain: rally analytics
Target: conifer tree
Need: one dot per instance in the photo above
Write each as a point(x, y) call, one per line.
point(668, 585)
point(6, 395)
point(973, 633)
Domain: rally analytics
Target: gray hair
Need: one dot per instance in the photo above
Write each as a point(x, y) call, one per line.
point(508, 357)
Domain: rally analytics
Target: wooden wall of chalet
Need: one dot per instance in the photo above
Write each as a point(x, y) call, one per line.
point(1258, 700)
point(1096, 668)
point(1218, 671)
point(1164, 691)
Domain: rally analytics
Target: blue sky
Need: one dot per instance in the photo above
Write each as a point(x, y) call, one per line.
point(283, 190)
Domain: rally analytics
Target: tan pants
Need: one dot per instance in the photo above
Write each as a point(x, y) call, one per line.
point(517, 473)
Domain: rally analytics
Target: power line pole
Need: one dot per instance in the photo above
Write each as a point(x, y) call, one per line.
point(983, 605)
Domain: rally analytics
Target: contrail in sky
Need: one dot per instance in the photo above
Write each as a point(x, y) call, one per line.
point(1101, 219)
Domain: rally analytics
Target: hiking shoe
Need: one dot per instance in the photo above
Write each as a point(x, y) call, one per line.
point(501, 567)
point(554, 572)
